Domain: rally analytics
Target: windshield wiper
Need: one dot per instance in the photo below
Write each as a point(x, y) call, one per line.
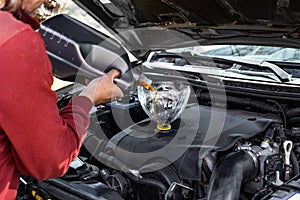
point(253, 73)
point(282, 75)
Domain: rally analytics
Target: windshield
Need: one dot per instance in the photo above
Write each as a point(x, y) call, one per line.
point(239, 61)
point(269, 53)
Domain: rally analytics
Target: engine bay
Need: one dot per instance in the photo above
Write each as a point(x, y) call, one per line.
point(254, 155)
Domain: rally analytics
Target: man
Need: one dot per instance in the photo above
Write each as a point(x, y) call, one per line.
point(35, 138)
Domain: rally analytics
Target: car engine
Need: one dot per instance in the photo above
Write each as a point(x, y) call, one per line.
point(255, 154)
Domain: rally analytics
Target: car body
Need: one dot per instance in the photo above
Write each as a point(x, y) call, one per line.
point(238, 134)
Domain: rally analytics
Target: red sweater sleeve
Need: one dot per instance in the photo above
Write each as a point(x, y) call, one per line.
point(43, 140)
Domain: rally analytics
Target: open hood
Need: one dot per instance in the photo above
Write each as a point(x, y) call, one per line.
point(120, 14)
point(207, 22)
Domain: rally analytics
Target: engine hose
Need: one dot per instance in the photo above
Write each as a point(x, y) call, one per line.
point(265, 107)
point(139, 180)
point(149, 182)
point(98, 145)
point(293, 112)
point(295, 164)
point(229, 174)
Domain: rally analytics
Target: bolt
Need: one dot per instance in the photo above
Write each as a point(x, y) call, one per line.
point(278, 181)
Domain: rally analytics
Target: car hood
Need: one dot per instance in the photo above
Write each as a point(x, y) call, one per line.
point(207, 22)
point(137, 13)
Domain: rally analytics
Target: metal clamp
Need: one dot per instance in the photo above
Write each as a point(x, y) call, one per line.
point(172, 188)
point(287, 147)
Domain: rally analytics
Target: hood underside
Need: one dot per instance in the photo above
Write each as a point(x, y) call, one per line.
point(207, 22)
point(218, 12)
point(139, 13)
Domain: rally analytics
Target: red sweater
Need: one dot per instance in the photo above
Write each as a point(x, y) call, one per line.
point(35, 138)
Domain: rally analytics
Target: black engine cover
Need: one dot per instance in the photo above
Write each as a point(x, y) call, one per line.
point(200, 130)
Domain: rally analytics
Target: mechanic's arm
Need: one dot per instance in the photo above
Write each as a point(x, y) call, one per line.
point(43, 140)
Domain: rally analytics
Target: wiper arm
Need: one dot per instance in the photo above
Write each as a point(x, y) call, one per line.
point(280, 73)
point(254, 73)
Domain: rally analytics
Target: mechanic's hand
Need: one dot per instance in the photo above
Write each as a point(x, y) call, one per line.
point(102, 89)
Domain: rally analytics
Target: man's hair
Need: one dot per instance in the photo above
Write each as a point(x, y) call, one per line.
point(11, 5)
